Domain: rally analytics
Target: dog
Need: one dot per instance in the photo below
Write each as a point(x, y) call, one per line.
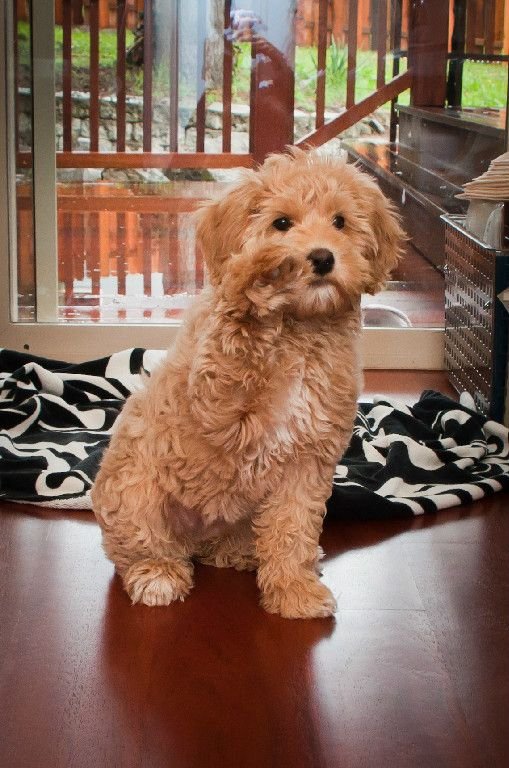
point(226, 455)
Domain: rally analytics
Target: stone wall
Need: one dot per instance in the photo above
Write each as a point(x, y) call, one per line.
point(304, 123)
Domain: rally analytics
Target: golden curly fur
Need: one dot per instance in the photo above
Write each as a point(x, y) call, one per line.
point(227, 454)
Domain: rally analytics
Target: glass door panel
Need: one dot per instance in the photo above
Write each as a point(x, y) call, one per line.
point(130, 82)
point(142, 108)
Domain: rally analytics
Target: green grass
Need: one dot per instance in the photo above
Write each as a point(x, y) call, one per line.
point(81, 45)
point(305, 75)
point(484, 85)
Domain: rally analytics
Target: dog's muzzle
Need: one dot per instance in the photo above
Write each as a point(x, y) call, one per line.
point(322, 261)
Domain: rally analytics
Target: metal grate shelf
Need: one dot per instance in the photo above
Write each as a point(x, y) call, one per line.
point(476, 322)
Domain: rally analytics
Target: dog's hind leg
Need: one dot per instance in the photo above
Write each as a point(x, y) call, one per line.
point(154, 564)
point(154, 570)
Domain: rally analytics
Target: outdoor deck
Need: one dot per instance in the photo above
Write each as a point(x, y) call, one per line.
point(127, 253)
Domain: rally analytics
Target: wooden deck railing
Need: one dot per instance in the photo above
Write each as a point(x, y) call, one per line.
point(271, 95)
point(106, 235)
point(388, 29)
point(121, 158)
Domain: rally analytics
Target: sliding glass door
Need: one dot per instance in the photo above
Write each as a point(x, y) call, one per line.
point(113, 124)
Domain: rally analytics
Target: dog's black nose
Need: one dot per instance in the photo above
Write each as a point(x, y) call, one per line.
point(322, 260)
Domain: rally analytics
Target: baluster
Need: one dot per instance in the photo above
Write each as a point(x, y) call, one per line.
point(227, 79)
point(121, 71)
point(396, 26)
point(352, 52)
point(381, 42)
point(321, 62)
point(147, 75)
point(200, 82)
point(94, 75)
point(67, 75)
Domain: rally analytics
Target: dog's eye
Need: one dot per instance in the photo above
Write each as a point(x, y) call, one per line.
point(338, 221)
point(283, 223)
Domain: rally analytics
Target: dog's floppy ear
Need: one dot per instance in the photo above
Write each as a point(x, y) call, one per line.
point(385, 249)
point(222, 224)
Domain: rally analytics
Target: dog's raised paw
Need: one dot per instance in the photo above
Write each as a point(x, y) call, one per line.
point(279, 275)
point(158, 582)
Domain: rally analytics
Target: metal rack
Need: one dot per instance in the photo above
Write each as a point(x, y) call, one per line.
point(476, 321)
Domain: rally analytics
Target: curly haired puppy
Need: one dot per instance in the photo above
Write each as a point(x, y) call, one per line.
point(227, 454)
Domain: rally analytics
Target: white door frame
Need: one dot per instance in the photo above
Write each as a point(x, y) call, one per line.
point(392, 348)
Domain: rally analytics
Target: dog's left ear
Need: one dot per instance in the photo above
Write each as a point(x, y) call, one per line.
point(385, 250)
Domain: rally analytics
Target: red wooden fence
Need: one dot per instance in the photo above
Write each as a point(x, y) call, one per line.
point(81, 10)
point(487, 24)
point(111, 234)
point(367, 31)
point(487, 21)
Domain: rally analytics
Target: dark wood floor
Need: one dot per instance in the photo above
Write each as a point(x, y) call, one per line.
point(413, 672)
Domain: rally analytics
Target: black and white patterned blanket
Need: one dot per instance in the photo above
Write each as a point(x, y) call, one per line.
point(56, 419)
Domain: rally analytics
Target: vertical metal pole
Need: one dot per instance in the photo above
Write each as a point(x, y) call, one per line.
point(8, 244)
point(44, 171)
point(174, 74)
point(396, 23)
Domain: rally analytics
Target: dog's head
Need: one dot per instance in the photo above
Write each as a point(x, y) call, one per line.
point(328, 216)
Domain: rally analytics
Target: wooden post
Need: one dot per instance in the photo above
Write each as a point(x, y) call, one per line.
point(428, 36)
point(94, 75)
point(353, 25)
point(148, 55)
point(489, 26)
point(455, 77)
point(272, 85)
point(505, 46)
point(67, 76)
point(174, 22)
point(121, 74)
point(323, 10)
point(227, 79)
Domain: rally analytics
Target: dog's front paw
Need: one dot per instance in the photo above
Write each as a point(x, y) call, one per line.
point(272, 283)
point(303, 598)
point(279, 274)
point(158, 582)
point(260, 281)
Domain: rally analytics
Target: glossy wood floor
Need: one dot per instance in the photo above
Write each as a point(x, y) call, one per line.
point(413, 672)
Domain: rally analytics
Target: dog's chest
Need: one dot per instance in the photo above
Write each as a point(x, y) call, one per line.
point(294, 414)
